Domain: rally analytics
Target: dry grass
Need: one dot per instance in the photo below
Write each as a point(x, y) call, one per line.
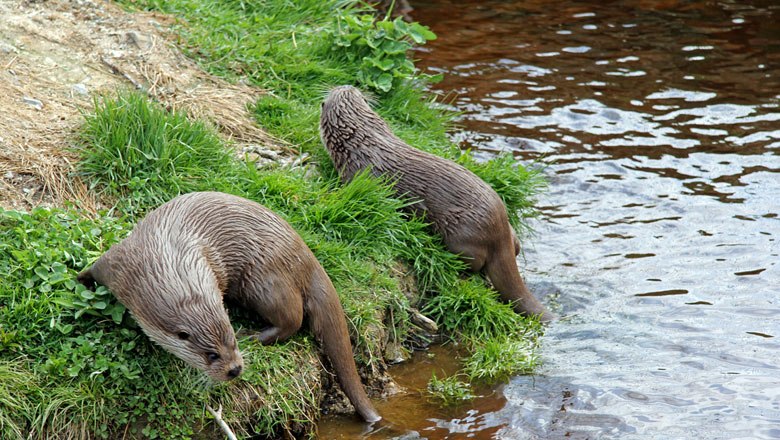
point(55, 56)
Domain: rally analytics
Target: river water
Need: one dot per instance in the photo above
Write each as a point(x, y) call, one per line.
point(658, 124)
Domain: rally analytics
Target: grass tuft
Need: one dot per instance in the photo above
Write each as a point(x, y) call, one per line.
point(360, 213)
point(471, 309)
point(499, 358)
point(449, 391)
point(16, 398)
point(269, 399)
point(140, 155)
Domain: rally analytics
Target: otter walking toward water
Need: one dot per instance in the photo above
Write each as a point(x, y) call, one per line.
point(175, 267)
point(466, 211)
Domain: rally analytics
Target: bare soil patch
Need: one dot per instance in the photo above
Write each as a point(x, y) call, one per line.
point(57, 55)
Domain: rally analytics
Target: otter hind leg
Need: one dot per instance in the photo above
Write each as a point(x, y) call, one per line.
point(503, 273)
point(515, 243)
point(279, 304)
point(474, 255)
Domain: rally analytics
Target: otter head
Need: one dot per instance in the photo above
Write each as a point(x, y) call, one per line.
point(349, 125)
point(181, 310)
point(345, 99)
point(196, 331)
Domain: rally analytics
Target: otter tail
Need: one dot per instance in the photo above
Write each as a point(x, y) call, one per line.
point(330, 327)
point(502, 270)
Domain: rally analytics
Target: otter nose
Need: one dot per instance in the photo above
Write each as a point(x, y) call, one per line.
point(234, 373)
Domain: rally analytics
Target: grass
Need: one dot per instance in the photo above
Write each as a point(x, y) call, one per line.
point(449, 391)
point(73, 363)
point(499, 358)
point(148, 155)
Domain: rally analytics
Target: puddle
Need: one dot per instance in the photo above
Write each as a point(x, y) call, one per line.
point(410, 415)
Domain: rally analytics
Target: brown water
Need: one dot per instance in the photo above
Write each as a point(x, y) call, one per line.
point(411, 411)
point(659, 123)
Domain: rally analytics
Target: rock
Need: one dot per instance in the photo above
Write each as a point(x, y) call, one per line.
point(410, 435)
point(299, 161)
point(260, 151)
point(8, 48)
point(395, 353)
point(33, 102)
point(80, 89)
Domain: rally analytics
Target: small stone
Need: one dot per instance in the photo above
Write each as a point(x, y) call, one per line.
point(299, 161)
point(9, 175)
point(395, 353)
point(33, 102)
point(259, 161)
point(261, 151)
point(8, 48)
point(80, 89)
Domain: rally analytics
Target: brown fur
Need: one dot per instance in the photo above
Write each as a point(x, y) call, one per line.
point(466, 211)
point(174, 269)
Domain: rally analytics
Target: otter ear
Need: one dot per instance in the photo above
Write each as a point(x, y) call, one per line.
point(100, 272)
point(87, 279)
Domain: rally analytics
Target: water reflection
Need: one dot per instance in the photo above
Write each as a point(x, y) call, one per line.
point(659, 122)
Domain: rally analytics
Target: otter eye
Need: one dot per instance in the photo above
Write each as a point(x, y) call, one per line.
point(213, 357)
point(183, 336)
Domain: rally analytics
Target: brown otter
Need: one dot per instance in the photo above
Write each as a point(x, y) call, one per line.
point(465, 210)
point(175, 267)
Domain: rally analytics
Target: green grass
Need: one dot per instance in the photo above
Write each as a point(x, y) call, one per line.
point(73, 363)
point(449, 391)
point(147, 155)
point(499, 358)
point(472, 310)
point(64, 369)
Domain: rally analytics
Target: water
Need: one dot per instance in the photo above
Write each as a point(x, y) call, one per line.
point(410, 413)
point(659, 124)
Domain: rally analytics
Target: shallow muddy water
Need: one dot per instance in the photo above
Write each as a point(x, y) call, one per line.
point(659, 125)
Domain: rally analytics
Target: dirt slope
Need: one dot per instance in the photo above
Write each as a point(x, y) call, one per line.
point(57, 55)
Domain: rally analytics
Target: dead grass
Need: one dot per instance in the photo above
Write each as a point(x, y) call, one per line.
point(55, 56)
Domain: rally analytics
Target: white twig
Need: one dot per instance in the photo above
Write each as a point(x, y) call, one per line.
point(218, 417)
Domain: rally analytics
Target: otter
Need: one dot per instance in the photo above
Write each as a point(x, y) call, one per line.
point(463, 209)
point(179, 263)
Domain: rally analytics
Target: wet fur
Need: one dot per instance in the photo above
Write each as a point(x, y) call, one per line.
point(465, 210)
point(176, 266)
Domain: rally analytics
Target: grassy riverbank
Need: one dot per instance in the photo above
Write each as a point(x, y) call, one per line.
point(74, 364)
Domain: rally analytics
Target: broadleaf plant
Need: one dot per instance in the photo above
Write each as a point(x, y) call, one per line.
point(380, 47)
